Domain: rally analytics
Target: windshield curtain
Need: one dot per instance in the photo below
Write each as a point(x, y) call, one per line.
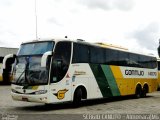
point(36, 48)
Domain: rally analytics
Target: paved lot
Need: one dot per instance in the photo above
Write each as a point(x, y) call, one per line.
point(118, 105)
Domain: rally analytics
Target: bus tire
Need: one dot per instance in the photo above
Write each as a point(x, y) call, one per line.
point(144, 93)
point(77, 97)
point(48, 105)
point(138, 92)
point(145, 90)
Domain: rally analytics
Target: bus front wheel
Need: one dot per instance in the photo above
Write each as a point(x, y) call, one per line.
point(77, 97)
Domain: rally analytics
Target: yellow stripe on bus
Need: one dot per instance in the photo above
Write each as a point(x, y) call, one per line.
point(35, 87)
point(119, 79)
point(1, 79)
point(127, 86)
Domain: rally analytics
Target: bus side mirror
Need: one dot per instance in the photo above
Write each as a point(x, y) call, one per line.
point(44, 58)
point(9, 56)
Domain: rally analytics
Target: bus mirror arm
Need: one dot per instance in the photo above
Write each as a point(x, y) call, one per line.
point(6, 58)
point(45, 57)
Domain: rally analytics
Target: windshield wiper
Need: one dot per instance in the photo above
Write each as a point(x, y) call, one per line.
point(24, 72)
point(19, 80)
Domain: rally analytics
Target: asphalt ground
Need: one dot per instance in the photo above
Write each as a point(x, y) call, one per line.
point(109, 108)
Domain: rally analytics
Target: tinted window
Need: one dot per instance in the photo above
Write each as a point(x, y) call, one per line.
point(97, 55)
point(61, 61)
point(80, 53)
point(144, 61)
point(133, 60)
point(154, 63)
point(111, 57)
point(123, 58)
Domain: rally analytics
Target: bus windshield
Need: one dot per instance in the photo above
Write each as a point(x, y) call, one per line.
point(27, 68)
point(35, 48)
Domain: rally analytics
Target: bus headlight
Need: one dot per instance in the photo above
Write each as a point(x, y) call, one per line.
point(41, 92)
point(14, 91)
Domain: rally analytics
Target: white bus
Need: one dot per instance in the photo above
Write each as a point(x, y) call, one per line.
point(61, 70)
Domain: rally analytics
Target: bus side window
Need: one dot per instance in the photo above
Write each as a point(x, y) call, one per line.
point(111, 57)
point(123, 58)
point(60, 61)
point(97, 55)
point(80, 53)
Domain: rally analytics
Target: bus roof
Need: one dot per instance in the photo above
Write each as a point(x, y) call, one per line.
point(112, 46)
point(98, 44)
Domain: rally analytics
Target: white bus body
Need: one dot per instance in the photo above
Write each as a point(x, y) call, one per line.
point(54, 71)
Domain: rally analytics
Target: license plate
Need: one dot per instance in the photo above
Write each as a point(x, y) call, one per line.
point(24, 99)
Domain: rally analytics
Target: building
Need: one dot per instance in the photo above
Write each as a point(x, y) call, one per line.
point(5, 51)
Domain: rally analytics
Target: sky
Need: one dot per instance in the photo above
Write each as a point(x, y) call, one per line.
point(133, 24)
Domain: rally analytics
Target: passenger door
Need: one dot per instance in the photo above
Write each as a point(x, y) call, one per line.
point(60, 79)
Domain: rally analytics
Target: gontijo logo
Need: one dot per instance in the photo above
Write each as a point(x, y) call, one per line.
point(134, 72)
point(61, 94)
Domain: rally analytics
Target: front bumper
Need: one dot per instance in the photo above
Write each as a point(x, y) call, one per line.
point(42, 98)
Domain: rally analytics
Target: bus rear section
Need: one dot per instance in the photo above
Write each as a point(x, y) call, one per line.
point(114, 72)
point(134, 81)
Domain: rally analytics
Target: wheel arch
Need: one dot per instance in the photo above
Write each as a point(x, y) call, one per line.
point(138, 85)
point(138, 90)
point(84, 91)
